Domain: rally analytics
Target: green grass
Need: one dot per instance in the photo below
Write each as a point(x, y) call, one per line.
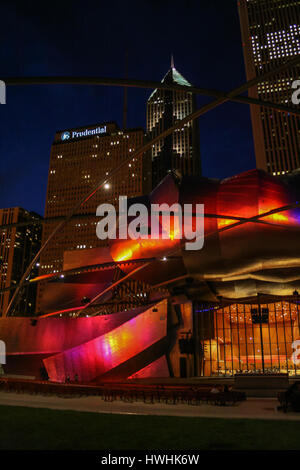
point(35, 428)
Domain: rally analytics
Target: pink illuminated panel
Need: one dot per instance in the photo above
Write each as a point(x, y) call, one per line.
point(93, 358)
point(158, 368)
point(53, 335)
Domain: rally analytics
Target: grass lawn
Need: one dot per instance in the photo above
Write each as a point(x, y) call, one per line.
point(36, 428)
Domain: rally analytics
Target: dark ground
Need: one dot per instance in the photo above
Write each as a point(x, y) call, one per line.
point(35, 428)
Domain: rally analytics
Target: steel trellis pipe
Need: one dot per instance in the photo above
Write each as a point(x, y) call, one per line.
point(121, 82)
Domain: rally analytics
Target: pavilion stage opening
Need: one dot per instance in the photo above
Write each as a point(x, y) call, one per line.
point(247, 338)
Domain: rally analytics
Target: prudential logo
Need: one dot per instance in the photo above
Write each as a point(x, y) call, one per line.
point(65, 135)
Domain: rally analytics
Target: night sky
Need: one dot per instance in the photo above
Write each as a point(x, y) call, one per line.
point(89, 38)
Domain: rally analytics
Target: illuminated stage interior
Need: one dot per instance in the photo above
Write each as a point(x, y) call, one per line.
point(248, 338)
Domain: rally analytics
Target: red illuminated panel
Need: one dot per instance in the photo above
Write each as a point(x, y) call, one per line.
point(250, 194)
point(65, 296)
point(158, 368)
point(238, 196)
point(52, 335)
point(94, 358)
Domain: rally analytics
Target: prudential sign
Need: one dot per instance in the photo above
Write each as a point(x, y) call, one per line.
point(67, 135)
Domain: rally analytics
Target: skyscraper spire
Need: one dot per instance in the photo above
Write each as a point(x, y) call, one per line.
point(179, 151)
point(172, 62)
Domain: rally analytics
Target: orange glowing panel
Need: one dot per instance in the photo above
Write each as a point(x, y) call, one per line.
point(226, 222)
point(277, 218)
point(123, 250)
point(43, 277)
point(245, 196)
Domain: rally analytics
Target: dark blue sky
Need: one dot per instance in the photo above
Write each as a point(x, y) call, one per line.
point(88, 38)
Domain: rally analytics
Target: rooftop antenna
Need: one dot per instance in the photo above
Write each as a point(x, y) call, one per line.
point(172, 62)
point(125, 92)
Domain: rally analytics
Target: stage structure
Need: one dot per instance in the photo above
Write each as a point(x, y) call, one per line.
point(228, 308)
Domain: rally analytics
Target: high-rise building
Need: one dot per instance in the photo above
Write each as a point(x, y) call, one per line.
point(271, 36)
point(79, 159)
point(18, 246)
point(180, 150)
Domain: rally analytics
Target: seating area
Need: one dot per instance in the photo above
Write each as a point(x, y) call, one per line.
point(261, 385)
point(168, 394)
point(290, 399)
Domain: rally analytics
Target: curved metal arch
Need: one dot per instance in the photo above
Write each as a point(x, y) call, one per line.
point(132, 83)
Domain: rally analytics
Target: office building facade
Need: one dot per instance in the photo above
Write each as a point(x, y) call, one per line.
point(271, 36)
point(18, 246)
point(79, 159)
